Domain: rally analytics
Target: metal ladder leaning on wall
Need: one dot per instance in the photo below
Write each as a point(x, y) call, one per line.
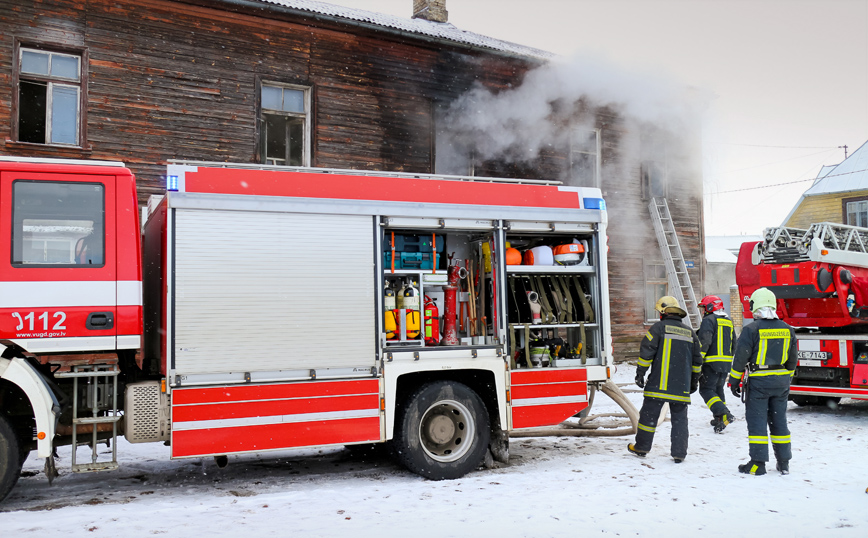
point(676, 269)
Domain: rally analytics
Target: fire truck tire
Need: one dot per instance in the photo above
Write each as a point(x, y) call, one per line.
point(443, 432)
point(10, 469)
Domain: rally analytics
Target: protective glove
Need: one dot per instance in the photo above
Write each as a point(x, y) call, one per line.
point(735, 387)
point(694, 383)
point(640, 380)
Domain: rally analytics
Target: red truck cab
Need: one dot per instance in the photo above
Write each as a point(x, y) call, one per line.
point(70, 264)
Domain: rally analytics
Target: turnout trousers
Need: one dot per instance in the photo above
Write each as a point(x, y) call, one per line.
point(712, 387)
point(766, 404)
point(648, 416)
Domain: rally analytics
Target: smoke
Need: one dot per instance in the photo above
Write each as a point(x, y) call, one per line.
point(517, 124)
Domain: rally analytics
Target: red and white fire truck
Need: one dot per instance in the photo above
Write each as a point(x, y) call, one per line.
point(820, 279)
point(264, 308)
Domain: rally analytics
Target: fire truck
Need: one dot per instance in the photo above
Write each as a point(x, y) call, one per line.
point(253, 309)
point(820, 279)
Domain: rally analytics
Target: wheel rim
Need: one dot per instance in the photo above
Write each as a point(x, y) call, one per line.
point(447, 430)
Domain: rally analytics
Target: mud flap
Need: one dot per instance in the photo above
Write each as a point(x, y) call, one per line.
point(498, 448)
point(50, 469)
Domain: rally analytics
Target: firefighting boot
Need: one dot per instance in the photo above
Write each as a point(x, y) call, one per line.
point(677, 459)
point(783, 466)
point(632, 449)
point(753, 467)
point(720, 422)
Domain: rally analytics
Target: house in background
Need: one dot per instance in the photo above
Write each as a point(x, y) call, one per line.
point(311, 84)
point(838, 194)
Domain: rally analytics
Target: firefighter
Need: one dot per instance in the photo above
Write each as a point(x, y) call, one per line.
point(717, 341)
point(766, 355)
point(671, 350)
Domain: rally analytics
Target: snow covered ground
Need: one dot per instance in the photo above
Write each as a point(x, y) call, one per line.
point(552, 486)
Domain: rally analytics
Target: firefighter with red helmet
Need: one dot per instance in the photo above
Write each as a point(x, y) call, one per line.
point(766, 356)
point(671, 351)
point(717, 345)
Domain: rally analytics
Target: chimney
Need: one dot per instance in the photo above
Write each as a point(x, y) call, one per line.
point(430, 10)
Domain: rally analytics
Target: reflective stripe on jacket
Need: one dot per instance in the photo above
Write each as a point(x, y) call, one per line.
point(717, 338)
point(766, 347)
point(671, 351)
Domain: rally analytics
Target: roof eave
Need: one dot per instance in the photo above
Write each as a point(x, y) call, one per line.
point(286, 10)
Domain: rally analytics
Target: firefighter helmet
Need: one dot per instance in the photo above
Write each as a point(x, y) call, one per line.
point(711, 303)
point(762, 297)
point(669, 305)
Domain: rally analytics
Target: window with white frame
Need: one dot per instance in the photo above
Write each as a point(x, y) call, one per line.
point(857, 213)
point(585, 157)
point(285, 125)
point(49, 97)
point(656, 286)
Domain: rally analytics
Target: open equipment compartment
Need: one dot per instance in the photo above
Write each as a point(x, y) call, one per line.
point(553, 294)
point(436, 286)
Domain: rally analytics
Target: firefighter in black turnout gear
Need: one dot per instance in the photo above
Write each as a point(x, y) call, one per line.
point(717, 340)
point(671, 350)
point(766, 355)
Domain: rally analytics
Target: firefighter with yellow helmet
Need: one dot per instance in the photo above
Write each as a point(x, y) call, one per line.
point(766, 356)
point(671, 351)
point(717, 338)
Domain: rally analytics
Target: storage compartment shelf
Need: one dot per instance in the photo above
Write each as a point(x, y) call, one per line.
point(554, 269)
point(556, 326)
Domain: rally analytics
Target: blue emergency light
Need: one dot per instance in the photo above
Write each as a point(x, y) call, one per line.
point(171, 183)
point(594, 203)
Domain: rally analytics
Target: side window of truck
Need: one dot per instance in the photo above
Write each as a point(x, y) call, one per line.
point(58, 224)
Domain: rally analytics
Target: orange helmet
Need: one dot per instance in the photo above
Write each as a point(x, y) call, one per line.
point(513, 256)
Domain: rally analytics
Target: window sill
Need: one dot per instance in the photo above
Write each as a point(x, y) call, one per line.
point(84, 151)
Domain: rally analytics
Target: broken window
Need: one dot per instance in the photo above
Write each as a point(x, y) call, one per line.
point(49, 93)
point(585, 157)
point(285, 125)
point(653, 180)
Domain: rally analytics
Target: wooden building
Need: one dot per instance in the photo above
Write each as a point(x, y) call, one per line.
point(305, 83)
point(838, 194)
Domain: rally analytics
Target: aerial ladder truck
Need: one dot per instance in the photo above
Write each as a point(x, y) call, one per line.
point(820, 278)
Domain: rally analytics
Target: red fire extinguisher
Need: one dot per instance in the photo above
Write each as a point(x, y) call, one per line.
point(432, 323)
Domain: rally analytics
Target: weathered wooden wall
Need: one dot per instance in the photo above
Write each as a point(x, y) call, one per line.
point(178, 80)
point(171, 80)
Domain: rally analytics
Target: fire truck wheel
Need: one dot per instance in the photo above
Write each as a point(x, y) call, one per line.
point(10, 470)
point(443, 431)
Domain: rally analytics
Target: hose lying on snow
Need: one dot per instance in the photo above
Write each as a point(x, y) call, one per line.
point(582, 428)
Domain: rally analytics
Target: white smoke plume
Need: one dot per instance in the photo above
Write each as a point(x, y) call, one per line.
point(516, 124)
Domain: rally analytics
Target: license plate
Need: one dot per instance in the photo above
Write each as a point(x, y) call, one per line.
point(814, 355)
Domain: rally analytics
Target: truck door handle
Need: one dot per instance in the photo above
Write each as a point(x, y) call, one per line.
point(100, 321)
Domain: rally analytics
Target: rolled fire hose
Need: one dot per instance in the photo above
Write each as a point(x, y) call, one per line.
point(583, 429)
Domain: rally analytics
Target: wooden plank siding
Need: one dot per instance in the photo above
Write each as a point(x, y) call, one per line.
point(179, 80)
point(822, 208)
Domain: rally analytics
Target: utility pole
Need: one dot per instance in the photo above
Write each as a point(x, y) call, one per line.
point(844, 147)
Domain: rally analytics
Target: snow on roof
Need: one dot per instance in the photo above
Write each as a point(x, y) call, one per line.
point(421, 28)
point(720, 255)
point(850, 175)
point(729, 242)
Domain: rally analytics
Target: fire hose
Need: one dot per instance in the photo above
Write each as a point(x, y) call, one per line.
point(582, 428)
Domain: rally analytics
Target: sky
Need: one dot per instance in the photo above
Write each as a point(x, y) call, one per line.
point(789, 80)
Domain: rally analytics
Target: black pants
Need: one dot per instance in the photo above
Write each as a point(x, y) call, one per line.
point(648, 416)
point(712, 389)
point(766, 404)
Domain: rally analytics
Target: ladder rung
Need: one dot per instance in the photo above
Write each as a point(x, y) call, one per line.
point(96, 420)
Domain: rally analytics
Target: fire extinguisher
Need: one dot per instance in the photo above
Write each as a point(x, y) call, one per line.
point(432, 323)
